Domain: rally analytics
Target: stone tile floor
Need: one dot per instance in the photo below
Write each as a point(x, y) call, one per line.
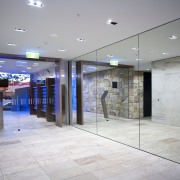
point(42, 151)
point(159, 139)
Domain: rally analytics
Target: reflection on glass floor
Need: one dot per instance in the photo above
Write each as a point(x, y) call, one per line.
point(159, 139)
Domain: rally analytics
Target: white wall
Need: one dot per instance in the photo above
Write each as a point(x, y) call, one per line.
point(166, 91)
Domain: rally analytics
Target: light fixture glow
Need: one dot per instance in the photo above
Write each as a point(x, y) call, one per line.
point(62, 50)
point(23, 71)
point(28, 67)
point(172, 37)
point(32, 55)
point(108, 21)
point(35, 3)
point(138, 59)
point(110, 55)
point(20, 30)
point(135, 49)
point(0, 66)
point(2, 61)
point(12, 44)
point(147, 69)
point(62, 75)
point(81, 39)
point(165, 53)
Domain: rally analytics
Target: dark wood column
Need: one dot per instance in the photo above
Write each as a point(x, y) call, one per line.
point(79, 92)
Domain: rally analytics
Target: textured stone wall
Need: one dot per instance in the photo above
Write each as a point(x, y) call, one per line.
point(121, 101)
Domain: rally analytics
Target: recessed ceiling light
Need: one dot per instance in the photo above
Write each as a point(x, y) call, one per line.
point(135, 49)
point(84, 71)
point(62, 50)
point(11, 44)
point(110, 55)
point(111, 22)
point(147, 69)
point(28, 67)
point(138, 59)
point(35, 3)
point(173, 37)
point(2, 61)
point(23, 71)
point(81, 39)
point(20, 30)
point(62, 75)
point(0, 66)
point(165, 53)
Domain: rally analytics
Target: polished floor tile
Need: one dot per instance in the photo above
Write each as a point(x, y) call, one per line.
point(42, 151)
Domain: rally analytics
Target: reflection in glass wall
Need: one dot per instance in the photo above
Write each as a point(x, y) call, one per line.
point(160, 129)
point(137, 102)
point(121, 84)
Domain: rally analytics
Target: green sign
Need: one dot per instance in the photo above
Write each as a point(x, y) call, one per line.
point(32, 55)
point(113, 63)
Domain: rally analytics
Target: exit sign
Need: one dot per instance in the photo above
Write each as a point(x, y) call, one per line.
point(32, 55)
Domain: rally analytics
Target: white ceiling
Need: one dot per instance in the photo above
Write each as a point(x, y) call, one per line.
point(23, 66)
point(72, 19)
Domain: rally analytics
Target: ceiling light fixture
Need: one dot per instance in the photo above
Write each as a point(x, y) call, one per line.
point(110, 55)
point(147, 69)
point(0, 66)
point(20, 30)
point(2, 61)
point(62, 50)
point(23, 71)
point(165, 53)
point(28, 67)
point(81, 39)
point(138, 59)
point(111, 22)
point(62, 75)
point(11, 44)
point(135, 49)
point(172, 37)
point(35, 3)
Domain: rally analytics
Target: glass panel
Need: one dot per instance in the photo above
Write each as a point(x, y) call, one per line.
point(86, 86)
point(160, 54)
point(117, 89)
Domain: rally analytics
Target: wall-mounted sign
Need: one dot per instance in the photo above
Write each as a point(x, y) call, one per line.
point(32, 55)
point(114, 63)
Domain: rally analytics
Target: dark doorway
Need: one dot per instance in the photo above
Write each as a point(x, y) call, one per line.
point(147, 94)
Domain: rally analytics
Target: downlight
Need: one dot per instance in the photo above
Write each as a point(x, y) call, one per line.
point(12, 44)
point(111, 22)
point(20, 30)
point(81, 39)
point(173, 37)
point(35, 3)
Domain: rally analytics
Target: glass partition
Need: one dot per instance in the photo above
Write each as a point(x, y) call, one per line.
point(86, 90)
point(121, 85)
point(129, 91)
point(160, 127)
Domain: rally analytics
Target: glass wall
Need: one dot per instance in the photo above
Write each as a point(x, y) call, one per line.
point(160, 128)
point(129, 91)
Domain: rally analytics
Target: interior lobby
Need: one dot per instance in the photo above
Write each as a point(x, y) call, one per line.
point(90, 98)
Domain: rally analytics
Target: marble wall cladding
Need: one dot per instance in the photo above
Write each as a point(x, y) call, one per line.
point(166, 91)
point(122, 101)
